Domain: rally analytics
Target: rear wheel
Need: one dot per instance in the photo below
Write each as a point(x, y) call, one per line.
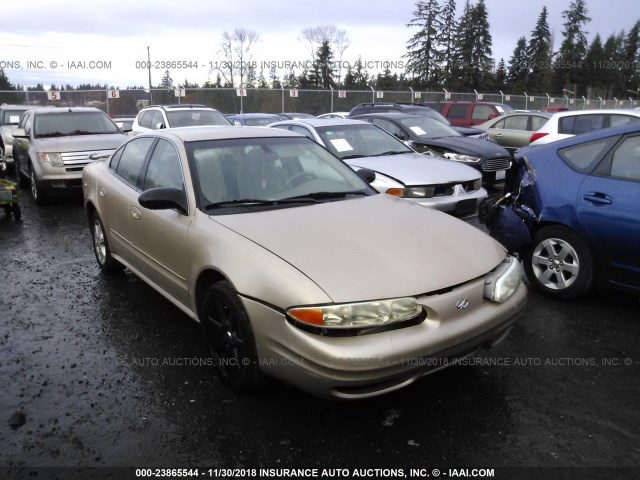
point(559, 263)
point(108, 265)
point(229, 337)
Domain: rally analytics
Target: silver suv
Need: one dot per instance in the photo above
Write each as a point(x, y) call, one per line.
point(173, 116)
point(10, 116)
point(53, 145)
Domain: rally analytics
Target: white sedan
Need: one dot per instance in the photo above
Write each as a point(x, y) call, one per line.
point(442, 184)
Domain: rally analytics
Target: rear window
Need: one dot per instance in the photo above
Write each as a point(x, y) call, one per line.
point(190, 118)
point(585, 156)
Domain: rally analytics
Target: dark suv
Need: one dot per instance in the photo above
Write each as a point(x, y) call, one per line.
point(467, 114)
point(414, 109)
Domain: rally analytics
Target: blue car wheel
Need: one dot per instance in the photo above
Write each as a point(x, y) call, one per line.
point(559, 263)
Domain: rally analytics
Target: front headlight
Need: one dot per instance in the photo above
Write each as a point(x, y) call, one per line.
point(503, 281)
point(55, 159)
point(412, 192)
point(377, 313)
point(458, 157)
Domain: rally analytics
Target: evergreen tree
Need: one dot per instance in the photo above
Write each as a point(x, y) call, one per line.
point(5, 84)
point(518, 68)
point(323, 72)
point(481, 62)
point(462, 68)
point(539, 54)
point(567, 70)
point(422, 53)
point(631, 67)
point(597, 78)
point(446, 40)
point(273, 77)
point(501, 76)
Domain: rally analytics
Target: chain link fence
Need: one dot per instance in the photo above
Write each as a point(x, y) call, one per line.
point(128, 102)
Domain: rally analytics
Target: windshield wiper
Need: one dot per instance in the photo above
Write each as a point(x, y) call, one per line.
point(326, 195)
point(250, 202)
point(346, 157)
point(390, 152)
point(52, 134)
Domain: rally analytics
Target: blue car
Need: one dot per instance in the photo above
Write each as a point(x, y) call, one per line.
point(585, 195)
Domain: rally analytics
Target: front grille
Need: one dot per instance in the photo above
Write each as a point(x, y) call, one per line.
point(76, 161)
point(444, 190)
point(493, 164)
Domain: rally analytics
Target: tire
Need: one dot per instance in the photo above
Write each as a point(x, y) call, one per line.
point(229, 337)
point(37, 193)
point(17, 213)
point(559, 263)
point(108, 265)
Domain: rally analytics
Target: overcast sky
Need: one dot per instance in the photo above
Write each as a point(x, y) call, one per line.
point(63, 38)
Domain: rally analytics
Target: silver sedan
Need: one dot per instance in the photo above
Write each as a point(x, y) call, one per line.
point(438, 183)
point(293, 265)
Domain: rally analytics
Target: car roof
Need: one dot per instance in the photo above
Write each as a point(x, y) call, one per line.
point(254, 115)
point(394, 115)
point(195, 134)
point(607, 111)
point(322, 122)
point(60, 110)
point(16, 107)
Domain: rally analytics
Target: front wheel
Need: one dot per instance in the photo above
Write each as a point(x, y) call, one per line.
point(108, 265)
point(229, 337)
point(37, 193)
point(559, 263)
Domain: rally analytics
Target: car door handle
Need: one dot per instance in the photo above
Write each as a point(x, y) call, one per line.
point(136, 213)
point(498, 135)
point(599, 198)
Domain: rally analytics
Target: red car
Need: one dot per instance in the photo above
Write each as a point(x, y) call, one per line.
point(467, 114)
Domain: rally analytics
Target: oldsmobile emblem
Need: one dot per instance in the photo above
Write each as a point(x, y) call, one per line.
point(462, 304)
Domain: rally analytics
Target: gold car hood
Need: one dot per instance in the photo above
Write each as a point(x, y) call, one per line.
point(371, 247)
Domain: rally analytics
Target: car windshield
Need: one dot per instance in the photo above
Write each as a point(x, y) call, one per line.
point(62, 124)
point(192, 117)
point(11, 117)
point(352, 141)
point(251, 172)
point(428, 128)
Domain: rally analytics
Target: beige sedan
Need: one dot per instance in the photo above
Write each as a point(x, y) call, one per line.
point(293, 265)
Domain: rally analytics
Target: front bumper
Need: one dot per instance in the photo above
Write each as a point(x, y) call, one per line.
point(371, 365)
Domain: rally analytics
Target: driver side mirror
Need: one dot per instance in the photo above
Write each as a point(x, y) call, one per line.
point(367, 175)
point(159, 126)
point(164, 198)
point(19, 133)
